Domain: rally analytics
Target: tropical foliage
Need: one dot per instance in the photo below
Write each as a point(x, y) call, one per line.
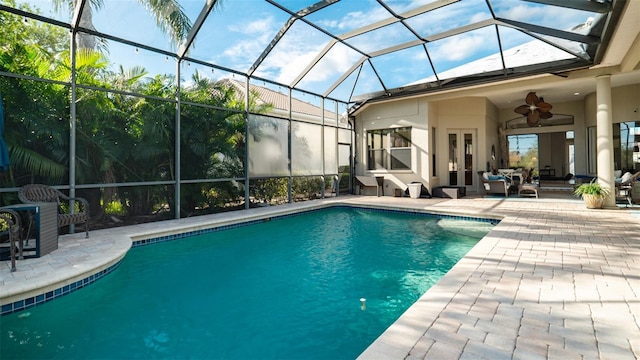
point(125, 127)
point(120, 137)
point(591, 188)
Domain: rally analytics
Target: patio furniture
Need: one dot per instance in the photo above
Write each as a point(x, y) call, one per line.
point(10, 226)
point(547, 174)
point(67, 215)
point(493, 186)
point(624, 188)
point(513, 173)
point(422, 191)
point(528, 189)
point(40, 223)
point(452, 192)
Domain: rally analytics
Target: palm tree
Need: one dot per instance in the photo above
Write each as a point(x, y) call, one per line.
point(169, 16)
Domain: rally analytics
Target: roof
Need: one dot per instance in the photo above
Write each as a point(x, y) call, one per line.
point(280, 102)
point(351, 51)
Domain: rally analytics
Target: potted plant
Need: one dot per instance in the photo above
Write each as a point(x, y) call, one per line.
point(592, 193)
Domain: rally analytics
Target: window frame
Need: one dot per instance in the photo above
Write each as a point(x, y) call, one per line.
point(386, 138)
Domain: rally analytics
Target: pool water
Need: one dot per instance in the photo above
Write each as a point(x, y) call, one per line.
point(289, 288)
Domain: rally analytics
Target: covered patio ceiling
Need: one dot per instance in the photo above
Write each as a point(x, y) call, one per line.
point(351, 51)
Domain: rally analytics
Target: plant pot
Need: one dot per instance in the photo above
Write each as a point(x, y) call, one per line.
point(414, 190)
point(593, 201)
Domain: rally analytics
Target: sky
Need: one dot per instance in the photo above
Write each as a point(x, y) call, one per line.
point(236, 33)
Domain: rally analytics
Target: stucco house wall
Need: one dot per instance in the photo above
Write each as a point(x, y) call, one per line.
point(474, 113)
point(484, 118)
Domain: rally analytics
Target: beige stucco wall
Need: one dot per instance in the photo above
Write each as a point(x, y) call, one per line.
point(467, 113)
point(402, 113)
point(625, 107)
point(484, 118)
point(447, 115)
point(492, 123)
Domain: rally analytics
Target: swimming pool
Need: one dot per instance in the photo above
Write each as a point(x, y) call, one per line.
point(287, 288)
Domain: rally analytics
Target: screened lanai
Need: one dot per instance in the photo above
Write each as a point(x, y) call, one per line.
point(167, 109)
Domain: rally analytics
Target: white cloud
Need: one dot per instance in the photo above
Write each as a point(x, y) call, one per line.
point(449, 17)
point(256, 36)
point(357, 19)
point(252, 28)
point(288, 58)
point(328, 23)
point(524, 13)
point(549, 16)
point(336, 61)
point(457, 48)
point(297, 50)
point(401, 6)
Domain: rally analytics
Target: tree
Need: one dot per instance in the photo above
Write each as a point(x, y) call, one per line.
point(168, 14)
point(34, 111)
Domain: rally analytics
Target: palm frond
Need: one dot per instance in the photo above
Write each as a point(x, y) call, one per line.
point(170, 18)
point(36, 163)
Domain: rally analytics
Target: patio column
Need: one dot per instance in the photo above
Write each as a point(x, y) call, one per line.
point(604, 133)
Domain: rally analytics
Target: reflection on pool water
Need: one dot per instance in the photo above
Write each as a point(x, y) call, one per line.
point(282, 289)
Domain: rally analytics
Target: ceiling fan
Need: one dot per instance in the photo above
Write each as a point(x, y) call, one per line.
point(535, 109)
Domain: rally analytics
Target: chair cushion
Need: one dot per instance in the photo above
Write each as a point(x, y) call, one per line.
point(485, 175)
point(497, 177)
point(626, 177)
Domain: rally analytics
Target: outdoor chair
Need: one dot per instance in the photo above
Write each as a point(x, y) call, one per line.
point(493, 186)
point(526, 187)
point(10, 229)
point(38, 193)
point(624, 188)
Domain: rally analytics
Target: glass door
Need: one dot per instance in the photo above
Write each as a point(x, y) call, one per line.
point(461, 157)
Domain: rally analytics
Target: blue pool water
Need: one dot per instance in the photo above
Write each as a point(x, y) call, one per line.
point(283, 289)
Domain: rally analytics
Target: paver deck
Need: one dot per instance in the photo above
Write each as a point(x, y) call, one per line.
point(553, 280)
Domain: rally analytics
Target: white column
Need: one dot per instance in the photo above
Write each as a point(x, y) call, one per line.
point(604, 133)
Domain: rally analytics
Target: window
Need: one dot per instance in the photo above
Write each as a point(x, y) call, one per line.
point(626, 137)
point(523, 151)
point(389, 149)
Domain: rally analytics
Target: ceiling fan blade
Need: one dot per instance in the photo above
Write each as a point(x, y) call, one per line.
point(533, 118)
point(543, 106)
point(531, 98)
point(545, 115)
point(522, 110)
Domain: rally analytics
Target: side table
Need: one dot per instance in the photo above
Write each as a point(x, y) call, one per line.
point(452, 192)
point(43, 219)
